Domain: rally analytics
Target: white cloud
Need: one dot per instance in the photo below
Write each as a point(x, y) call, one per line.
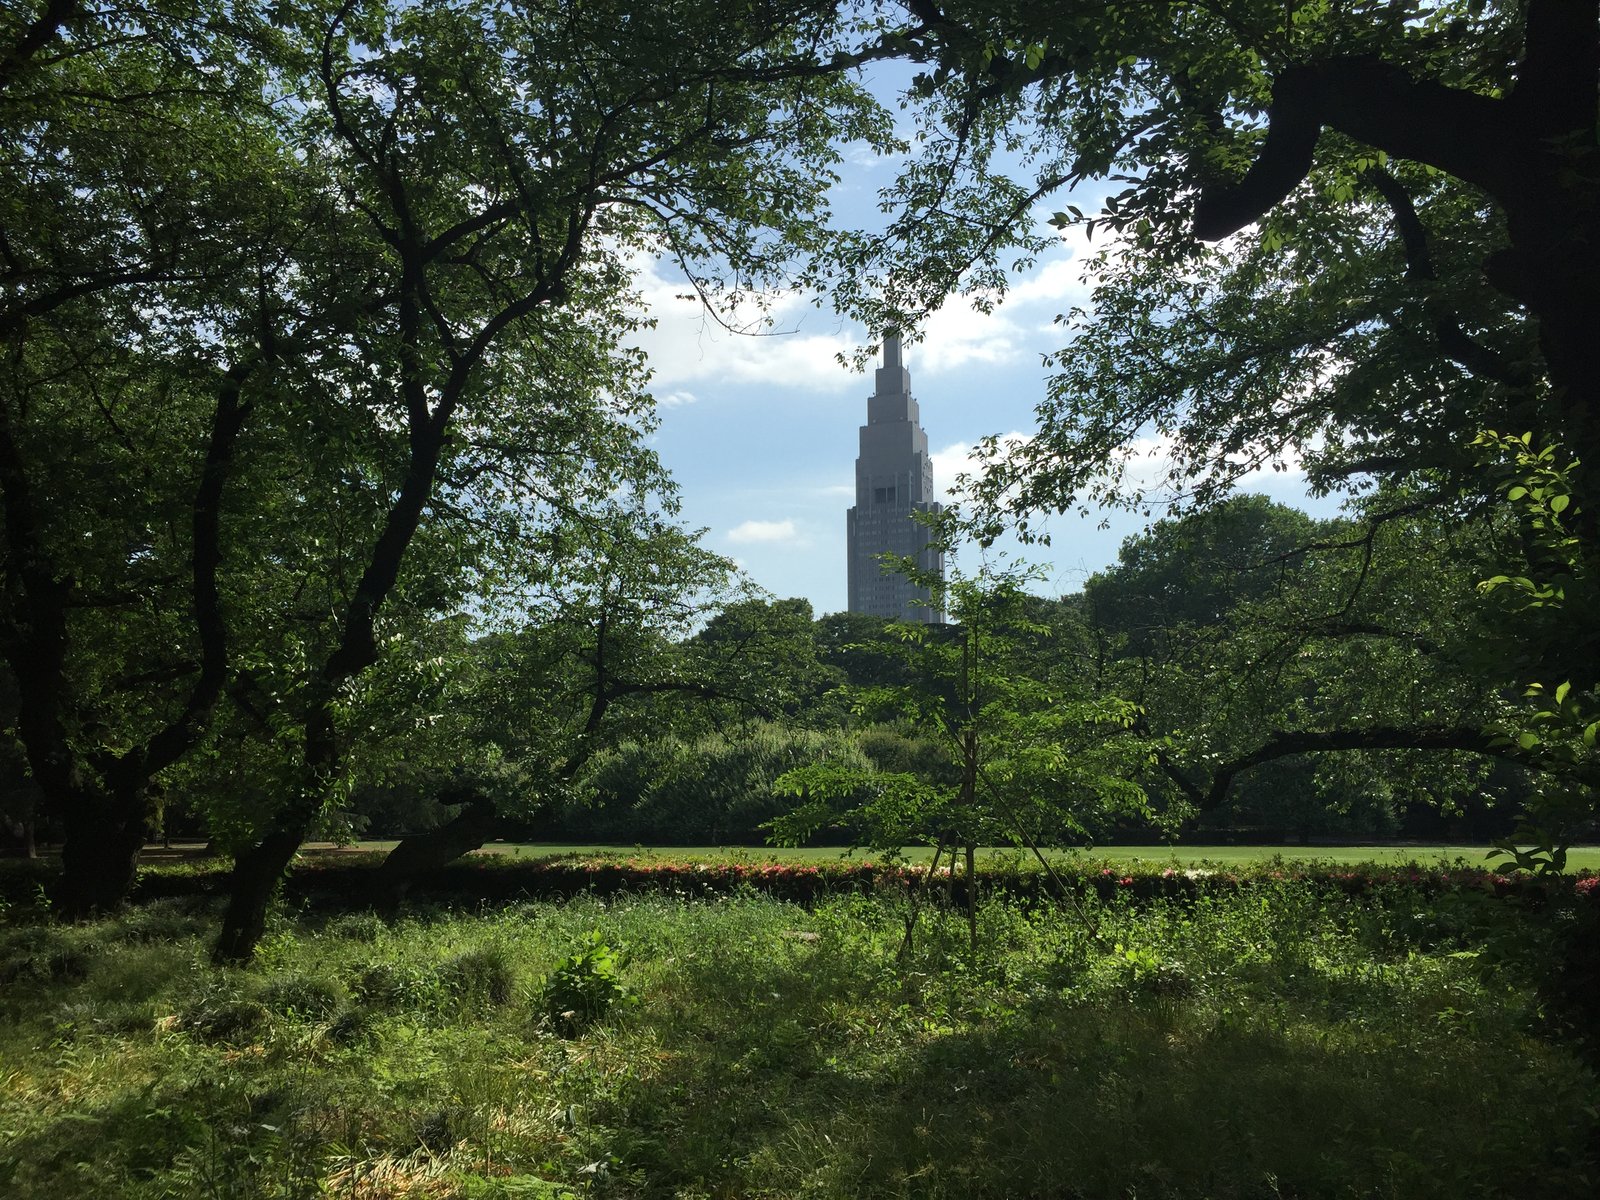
point(957, 335)
point(676, 399)
point(790, 345)
point(957, 458)
point(750, 532)
point(1060, 284)
point(688, 344)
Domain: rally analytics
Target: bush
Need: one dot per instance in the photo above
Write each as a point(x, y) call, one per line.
point(216, 1018)
point(898, 752)
point(356, 927)
point(480, 978)
point(584, 986)
point(716, 789)
point(393, 986)
point(309, 997)
point(353, 1027)
point(41, 955)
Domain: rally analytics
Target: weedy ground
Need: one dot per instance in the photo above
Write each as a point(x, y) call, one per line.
point(1277, 1042)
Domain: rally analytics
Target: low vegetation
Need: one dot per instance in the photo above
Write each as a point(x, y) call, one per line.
point(1287, 1039)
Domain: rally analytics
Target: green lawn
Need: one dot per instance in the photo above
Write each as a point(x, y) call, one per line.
point(1285, 1041)
point(1581, 858)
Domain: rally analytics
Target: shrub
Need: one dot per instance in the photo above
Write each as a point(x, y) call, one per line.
point(164, 919)
point(479, 978)
point(362, 927)
point(309, 997)
point(1141, 972)
point(584, 986)
point(353, 1027)
point(895, 750)
point(717, 788)
point(217, 1018)
point(41, 955)
point(389, 985)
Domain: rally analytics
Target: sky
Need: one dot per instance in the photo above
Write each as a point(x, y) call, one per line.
point(761, 431)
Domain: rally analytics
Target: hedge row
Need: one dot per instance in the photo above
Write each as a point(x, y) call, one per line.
point(348, 879)
point(482, 878)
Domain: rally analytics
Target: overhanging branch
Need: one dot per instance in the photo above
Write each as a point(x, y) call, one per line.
point(1286, 743)
point(1375, 102)
point(1457, 345)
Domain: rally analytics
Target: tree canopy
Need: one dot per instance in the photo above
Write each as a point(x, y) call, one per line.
point(1404, 196)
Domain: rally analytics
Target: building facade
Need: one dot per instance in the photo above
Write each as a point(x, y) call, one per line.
point(894, 478)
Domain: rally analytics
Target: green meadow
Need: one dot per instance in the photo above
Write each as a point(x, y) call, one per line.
point(1579, 858)
point(1281, 1040)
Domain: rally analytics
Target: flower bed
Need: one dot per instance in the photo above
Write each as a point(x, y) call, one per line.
point(348, 879)
point(805, 882)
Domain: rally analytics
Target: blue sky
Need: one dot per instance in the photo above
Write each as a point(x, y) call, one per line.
point(761, 431)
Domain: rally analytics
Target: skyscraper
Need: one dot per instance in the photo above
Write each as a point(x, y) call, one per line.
point(894, 478)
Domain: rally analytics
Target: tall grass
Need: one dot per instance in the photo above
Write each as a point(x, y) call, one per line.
point(1280, 1042)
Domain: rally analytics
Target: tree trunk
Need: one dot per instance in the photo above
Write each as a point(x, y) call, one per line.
point(476, 823)
point(972, 895)
point(256, 875)
point(103, 835)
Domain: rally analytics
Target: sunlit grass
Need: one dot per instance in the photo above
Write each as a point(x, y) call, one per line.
point(1579, 858)
point(1284, 1041)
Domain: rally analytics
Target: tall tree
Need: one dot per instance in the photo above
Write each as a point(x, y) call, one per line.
point(505, 164)
point(139, 313)
point(597, 649)
point(1356, 648)
point(1408, 201)
point(1036, 759)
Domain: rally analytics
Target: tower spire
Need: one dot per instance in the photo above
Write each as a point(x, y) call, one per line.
point(894, 481)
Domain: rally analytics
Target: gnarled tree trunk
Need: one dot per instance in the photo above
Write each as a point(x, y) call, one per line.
point(422, 853)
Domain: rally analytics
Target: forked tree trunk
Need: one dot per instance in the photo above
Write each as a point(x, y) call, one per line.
point(103, 836)
point(103, 823)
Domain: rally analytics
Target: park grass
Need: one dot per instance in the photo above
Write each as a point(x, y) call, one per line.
point(1288, 1041)
point(1579, 858)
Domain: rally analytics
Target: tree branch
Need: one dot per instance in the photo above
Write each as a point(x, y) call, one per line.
point(1457, 345)
point(1286, 743)
point(1465, 134)
point(34, 38)
point(227, 422)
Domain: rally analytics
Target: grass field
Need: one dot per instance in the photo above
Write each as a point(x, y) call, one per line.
point(1285, 1042)
point(1580, 858)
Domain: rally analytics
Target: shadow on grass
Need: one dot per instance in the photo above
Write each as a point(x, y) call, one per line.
point(798, 1089)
